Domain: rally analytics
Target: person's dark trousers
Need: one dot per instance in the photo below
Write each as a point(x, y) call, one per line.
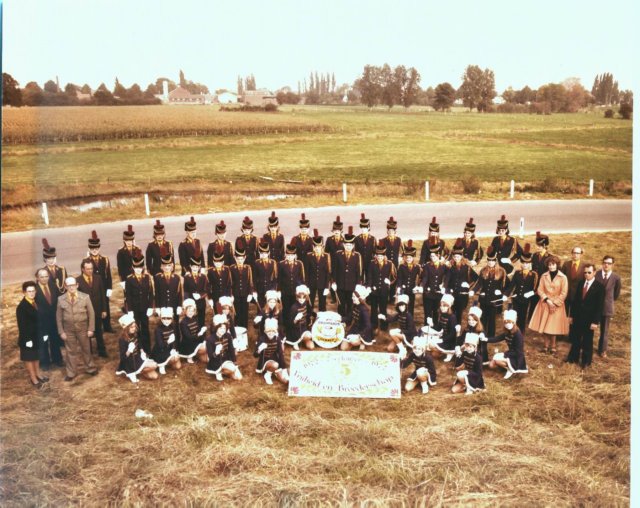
point(322, 299)
point(49, 351)
point(99, 335)
point(533, 302)
point(345, 307)
point(262, 299)
point(489, 324)
point(430, 309)
point(106, 321)
point(287, 302)
point(581, 340)
point(142, 321)
point(459, 305)
point(201, 307)
point(333, 296)
point(242, 310)
point(379, 306)
point(603, 343)
point(522, 310)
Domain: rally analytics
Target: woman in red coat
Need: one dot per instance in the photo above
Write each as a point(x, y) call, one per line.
point(549, 316)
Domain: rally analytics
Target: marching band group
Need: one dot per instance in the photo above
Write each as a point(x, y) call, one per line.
point(288, 283)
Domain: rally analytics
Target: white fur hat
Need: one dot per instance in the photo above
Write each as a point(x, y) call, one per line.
point(476, 311)
point(362, 291)
point(510, 315)
point(126, 320)
point(225, 301)
point(189, 302)
point(403, 299)
point(447, 299)
point(219, 319)
point(166, 312)
point(420, 341)
point(302, 289)
point(472, 338)
point(272, 294)
point(271, 324)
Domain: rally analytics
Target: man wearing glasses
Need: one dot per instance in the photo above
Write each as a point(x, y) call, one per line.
point(612, 286)
point(573, 269)
point(585, 316)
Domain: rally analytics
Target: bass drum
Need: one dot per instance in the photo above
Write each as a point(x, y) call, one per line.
point(328, 330)
point(241, 342)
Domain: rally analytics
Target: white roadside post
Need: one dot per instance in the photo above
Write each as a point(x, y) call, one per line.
point(146, 204)
point(426, 190)
point(521, 228)
point(45, 213)
point(591, 187)
point(513, 188)
point(344, 192)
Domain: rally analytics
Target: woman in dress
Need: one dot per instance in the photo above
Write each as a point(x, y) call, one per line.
point(27, 317)
point(270, 353)
point(165, 350)
point(425, 369)
point(133, 359)
point(220, 350)
point(192, 334)
point(469, 377)
point(513, 360)
point(359, 330)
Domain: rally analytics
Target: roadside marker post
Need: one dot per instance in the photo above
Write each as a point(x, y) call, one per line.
point(344, 192)
point(521, 228)
point(513, 188)
point(146, 204)
point(591, 187)
point(45, 213)
point(426, 190)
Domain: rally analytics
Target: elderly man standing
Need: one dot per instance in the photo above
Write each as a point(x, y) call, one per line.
point(76, 323)
point(612, 287)
point(573, 268)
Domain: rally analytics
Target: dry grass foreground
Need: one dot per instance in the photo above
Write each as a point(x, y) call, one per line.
point(557, 436)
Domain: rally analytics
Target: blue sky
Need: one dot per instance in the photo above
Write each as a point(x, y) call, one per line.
point(280, 42)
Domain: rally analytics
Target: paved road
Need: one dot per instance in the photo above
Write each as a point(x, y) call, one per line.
point(22, 252)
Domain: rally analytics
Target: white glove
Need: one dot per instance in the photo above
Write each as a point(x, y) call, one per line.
point(143, 355)
point(254, 295)
point(325, 292)
point(504, 298)
point(203, 271)
point(218, 349)
point(473, 263)
point(334, 286)
point(529, 294)
point(178, 310)
point(471, 292)
point(210, 302)
point(482, 337)
point(173, 352)
point(202, 331)
point(131, 348)
point(149, 312)
point(458, 351)
point(430, 321)
point(172, 338)
point(382, 316)
point(232, 299)
point(257, 319)
point(458, 328)
point(387, 281)
point(505, 261)
point(464, 285)
point(29, 343)
point(122, 285)
point(249, 298)
point(196, 296)
point(108, 293)
point(497, 292)
point(157, 312)
point(298, 317)
point(420, 289)
point(45, 338)
point(262, 347)
point(441, 288)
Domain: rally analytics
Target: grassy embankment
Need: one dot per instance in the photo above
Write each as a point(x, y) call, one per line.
point(384, 157)
point(557, 436)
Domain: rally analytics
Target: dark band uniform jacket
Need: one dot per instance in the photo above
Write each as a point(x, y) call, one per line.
point(347, 271)
point(406, 324)
point(124, 260)
point(507, 248)
point(133, 363)
point(376, 275)
point(161, 352)
point(57, 276)
point(332, 246)
point(249, 245)
point(227, 251)
point(318, 270)
point(424, 361)
point(139, 293)
point(394, 249)
point(409, 277)
point(102, 269)
point(297, 328)
point(425, 253)
point(155, 250)
point(515, 355)
point(304, 245)
point(473, 365)
point(273, 352)
point(228, 352)
point(458, 275)
point(290, 276)
point(190, 249)
point(27, 318)
point(265, 276)
point(490, 281)
point(241, 280)
point(219, 282)
point(365, 246)
point(359, 323)
point(168, 291)
point(432, 278)
point(471, 250)
point(447, 324)
point(189, 339)
point(276, 245)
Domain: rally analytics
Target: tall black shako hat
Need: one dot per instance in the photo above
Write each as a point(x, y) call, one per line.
point(317, 239)
point(434, 226)
point(458, 247)
point(542, 240)
point(263, 247)
point(129, 233)
point(158, 228)
point(291, 247)
point(381, 248)
point(247, 223)
point(221, 227)
point(526, 255)
point(337, 224)
point(94, 241)
point(492, 255)
point(273, 220)
point(364, 222)
point(138, 260)
point(392, 223)
point(190, 225)
point(470, 226)
point(503, 223)
point(304, 222)
point(48, 252)
point(409, 249)
point(349, 237)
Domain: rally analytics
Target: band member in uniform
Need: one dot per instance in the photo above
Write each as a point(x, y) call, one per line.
point(425, 369)
point(394, 246)
point(219, 277)
point(433, 239)
point(139, 299)
point(302, 241)
point(226, 309)
point(334, 244)
point(539, 265)
point(126, 253)
point(409, 275)
point(165, 352)
point(513, 359)
point(221, 243)
point(133, 359)
point(522, 287)
point(272, 309)
point(57, 273)
point(220, 350)
point(461, 278)
point(447, 325)
point(192, 334)
point(196, 287)
point(301, 318)
point(406, 331)
point(168, 287)
point(274, 238)
point(382, 275)
point(156, 248)
point(506, 247)
point(248, 242)
point(242, 288)
point(474, 325)
point(318, 273)
point(358, 329)
point(270, 353)
point(472, 251)
point(469, 377)
point(290, 276)
point(91, 284)
point(265, 275)
point(102, 269)
point(189, 248)
point(365, 245)
point(434, 283)
point(347, 274)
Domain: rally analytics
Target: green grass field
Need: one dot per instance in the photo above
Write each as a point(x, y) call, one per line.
point(555, 437)
point(551, 156)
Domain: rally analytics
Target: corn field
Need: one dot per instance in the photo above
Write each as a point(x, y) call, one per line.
point(85, 123)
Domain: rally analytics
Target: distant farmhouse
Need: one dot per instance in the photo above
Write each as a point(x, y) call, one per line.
point(260, 97)
point(182, 96)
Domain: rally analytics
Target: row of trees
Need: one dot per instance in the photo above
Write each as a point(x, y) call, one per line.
point(383, 85)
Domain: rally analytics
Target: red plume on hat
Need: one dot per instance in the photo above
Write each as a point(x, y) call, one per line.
point(302, 216)
point(158, 221)
point(337, 218)
point(433, 220)
point(391, 219)
point(315, 232)
point(470, 220)
point(527, 248)
point(246, 218)
point(503, 217)
point(94, 235)
point(130, 227)
point(273, 215)
point(350, 230)
point(362, 216)
point(45, 244)
point(410, 243)
point(537, 234)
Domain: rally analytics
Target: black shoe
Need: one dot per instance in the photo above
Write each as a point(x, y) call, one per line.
point(68, 378)
point(93, 372)
point(103, 354)
point(43, 379)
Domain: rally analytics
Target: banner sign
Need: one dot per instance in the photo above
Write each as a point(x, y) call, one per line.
point(344, 374)
point(328, 330)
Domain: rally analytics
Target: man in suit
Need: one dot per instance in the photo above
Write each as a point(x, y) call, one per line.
point(573, 269)
point(101, 269)
point(585, 316)
point(76, 323)
point(91, 284)
point(612, 286)
point(47, 303)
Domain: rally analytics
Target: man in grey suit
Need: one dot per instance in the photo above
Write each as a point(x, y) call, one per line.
point(612, 286)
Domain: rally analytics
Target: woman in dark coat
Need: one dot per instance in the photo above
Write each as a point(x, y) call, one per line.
point(513, 360)
point(27, 317)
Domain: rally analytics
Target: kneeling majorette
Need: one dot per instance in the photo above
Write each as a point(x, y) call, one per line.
point(406, 331)
point(513, 359)
point(474, 325)
point(359, 331)
point(220, 350)
point(469, 367)
point(133, 359)
point(425, 369)
point(301, 317)
point(448, 325)
point(228, 310)
point(272, 309)
point(165, 352)
point(192, 335)
point(270, 353)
